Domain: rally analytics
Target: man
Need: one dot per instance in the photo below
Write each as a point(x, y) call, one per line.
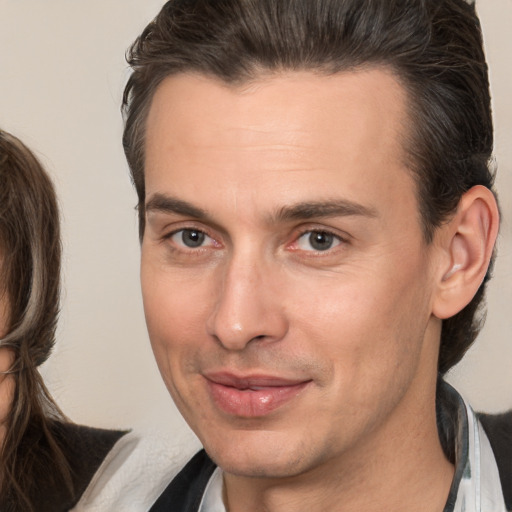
point(317, 222)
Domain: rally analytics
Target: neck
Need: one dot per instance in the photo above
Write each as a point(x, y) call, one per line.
point(401, 467)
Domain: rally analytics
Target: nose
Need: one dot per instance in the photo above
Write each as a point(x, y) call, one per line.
point(248, 306)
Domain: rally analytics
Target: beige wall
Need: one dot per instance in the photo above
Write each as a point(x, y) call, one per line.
point(61, 78)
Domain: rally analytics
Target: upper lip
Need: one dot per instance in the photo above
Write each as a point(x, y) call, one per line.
point(251, 381)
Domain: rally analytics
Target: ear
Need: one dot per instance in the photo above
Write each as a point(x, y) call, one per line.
point(467, 243)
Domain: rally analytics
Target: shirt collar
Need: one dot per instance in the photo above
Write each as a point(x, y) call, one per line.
point(476, 484)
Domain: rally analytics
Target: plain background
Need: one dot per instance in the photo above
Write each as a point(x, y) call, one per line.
point(62, 73)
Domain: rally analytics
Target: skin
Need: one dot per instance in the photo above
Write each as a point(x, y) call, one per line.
point(6, 360)
point(354, 320)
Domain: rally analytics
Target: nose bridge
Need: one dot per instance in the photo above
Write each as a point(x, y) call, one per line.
point(246, 308)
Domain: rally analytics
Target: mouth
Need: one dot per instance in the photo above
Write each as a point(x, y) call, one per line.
point(252, 396)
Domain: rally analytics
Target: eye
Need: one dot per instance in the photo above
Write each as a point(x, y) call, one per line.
point(191, 238)
point(317, 241)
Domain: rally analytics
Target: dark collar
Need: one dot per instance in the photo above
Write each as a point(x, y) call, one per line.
point(185, 492)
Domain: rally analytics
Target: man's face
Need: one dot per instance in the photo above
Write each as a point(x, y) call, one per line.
point(287, 285)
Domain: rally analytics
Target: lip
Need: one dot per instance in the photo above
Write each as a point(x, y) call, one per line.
point(252, 396)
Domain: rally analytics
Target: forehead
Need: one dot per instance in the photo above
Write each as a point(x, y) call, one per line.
point(295, 131)
point(193, 106)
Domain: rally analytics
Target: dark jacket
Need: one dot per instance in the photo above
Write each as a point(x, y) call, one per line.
point(84, 448)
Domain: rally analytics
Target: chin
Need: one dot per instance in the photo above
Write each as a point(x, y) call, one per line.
point(258, 467)
point(259, 455)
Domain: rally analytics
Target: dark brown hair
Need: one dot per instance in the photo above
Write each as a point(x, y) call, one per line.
point(30, 281)
point(433, 47)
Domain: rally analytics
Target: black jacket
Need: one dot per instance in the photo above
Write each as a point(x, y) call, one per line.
point(84, 448)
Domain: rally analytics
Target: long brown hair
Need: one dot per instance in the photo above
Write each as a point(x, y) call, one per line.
point(30, 280)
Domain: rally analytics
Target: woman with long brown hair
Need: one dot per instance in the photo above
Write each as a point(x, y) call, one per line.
point(46, 461)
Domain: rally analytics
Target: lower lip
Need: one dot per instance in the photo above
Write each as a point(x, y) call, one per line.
point(253, 403)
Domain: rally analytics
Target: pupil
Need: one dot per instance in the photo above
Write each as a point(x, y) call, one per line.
point(321, 241)
point(192, 238)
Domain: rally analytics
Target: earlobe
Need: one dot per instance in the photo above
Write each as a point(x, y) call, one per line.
point(468, 240)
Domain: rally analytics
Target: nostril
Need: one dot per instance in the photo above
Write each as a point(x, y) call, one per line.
point(237, 342)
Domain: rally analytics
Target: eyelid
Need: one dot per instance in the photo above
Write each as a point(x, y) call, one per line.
point(335, 241)
point(203, 243)
point(342, 237)
point(188, 226)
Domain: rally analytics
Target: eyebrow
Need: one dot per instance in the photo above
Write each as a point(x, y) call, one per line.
point(301, 211)
point(167, 204)
point(329, 208)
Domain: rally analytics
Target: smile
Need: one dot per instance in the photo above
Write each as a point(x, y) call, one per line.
point(252, 396)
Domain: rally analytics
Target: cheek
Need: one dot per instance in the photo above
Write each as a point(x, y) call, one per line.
point(172, 299)
point(175, 308)
point(6, 387)
point(4, 314)
point(369, 325)
point(6, 396)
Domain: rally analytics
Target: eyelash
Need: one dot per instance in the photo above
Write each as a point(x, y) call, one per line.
point(182, 230)
point(341, 240)
point(337, 240)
